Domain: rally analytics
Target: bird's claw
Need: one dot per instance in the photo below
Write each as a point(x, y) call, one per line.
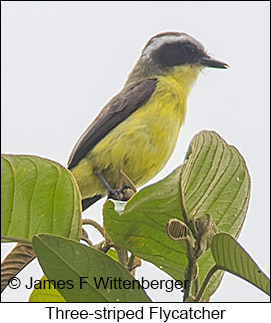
point(115, 194)
point(123, 194)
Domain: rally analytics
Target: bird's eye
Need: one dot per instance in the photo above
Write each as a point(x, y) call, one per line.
point(175, 53)
point(189, 50)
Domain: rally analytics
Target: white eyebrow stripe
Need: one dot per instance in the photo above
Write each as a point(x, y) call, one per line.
point(158, 41)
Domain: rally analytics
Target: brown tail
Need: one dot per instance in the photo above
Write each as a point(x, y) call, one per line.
point(89, 201)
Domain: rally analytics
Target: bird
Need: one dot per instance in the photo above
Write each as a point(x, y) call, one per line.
point(135, 133)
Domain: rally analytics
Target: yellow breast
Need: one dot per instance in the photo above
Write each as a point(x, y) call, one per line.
point(142, 144)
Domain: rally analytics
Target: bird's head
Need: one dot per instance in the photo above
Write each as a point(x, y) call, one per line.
point(173, 51)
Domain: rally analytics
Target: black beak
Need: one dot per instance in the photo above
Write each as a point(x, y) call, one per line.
point(212, 62)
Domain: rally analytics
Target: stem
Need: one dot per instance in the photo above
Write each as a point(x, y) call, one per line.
point(87, 241)
point(191, 267)
point(99, 228)
point(205, 282)
point(94, 224)
point(86, 238)
point(189, 277)
point(122, 256)
point(192, 227)
point(190, 249)
point(104, 246)
point(130, 262)
point(196, 284)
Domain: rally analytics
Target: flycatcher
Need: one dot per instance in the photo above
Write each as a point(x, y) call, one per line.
point(134, 135)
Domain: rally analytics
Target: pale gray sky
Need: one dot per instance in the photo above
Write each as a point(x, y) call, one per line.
point(62, 61)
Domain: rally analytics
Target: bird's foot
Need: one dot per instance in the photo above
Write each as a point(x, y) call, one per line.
point(127, 192)
point(114, 194)
point(123, 194)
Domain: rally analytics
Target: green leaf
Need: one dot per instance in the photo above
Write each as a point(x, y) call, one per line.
point(214, 181)
point(141, 229)
point(38, 195)
point(230, 256)
point(19, 257)
point(46, 295)
point(67, 260)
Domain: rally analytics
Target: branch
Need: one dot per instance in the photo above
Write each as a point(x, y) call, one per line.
point(205, 282)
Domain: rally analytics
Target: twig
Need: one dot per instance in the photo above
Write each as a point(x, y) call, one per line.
point(130, 262)
point(86, 238)
point(94, 224)
point(190, 271)
point(122, 256)
point(191, 267)
point(205, 282)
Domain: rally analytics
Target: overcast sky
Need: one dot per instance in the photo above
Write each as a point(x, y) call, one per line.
point(62, 61)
